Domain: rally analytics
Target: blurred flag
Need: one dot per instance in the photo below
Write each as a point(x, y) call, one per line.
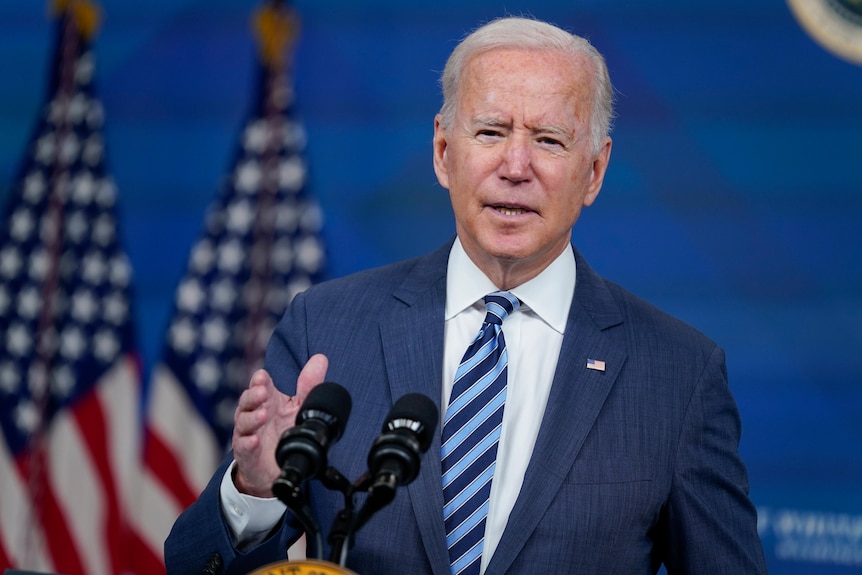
point(69, 372)
point(259, 248)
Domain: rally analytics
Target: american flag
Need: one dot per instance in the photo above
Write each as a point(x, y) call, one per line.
point(596, 364)
point(259, 248)
point(69, 374)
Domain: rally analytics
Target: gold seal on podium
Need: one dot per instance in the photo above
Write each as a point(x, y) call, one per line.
point(304, 567)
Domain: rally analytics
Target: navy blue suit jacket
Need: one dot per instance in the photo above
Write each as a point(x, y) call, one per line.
point(633, 467)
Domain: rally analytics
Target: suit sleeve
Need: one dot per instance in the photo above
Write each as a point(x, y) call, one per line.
point(200, 538)
point(712, 523)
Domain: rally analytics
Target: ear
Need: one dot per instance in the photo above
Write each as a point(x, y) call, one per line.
point(440, 152)
point(600, 166)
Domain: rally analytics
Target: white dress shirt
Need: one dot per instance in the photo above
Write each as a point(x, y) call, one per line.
point(534, 335)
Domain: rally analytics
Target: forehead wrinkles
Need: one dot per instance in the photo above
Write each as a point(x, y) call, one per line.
point(537, 82)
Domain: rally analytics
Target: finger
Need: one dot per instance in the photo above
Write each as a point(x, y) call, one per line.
point(260, 388)
point(249, 422)
point(261, 378)
point(313, 373)
point(251, 399)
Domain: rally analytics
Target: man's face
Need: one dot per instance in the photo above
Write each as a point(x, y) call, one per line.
point(517, 160)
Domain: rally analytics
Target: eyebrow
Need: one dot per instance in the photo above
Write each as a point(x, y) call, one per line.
point(558, 130)
point(490, 121)
point(494, 122)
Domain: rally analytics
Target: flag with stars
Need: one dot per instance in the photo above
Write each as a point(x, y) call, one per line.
point(260, 247)
point(69, 372)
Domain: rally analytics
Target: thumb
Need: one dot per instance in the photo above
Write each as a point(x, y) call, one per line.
point(312, 374)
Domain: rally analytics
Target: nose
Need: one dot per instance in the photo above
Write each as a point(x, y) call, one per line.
point(516, 162)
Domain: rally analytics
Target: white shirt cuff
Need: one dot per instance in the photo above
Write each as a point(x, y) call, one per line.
point(250, 518)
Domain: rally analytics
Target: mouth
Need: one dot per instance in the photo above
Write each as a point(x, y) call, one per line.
point(510, 210)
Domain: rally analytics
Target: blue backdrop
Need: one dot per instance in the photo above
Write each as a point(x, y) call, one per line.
point(733, 197)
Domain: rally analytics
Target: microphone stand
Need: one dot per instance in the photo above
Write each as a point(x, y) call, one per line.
point(340, 535)
point(291, 494)
point(347, 522)
point(381, 492)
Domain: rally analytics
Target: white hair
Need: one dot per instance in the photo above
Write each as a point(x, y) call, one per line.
point(528, 34)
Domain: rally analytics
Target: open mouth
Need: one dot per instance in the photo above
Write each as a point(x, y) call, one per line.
point(509, 210)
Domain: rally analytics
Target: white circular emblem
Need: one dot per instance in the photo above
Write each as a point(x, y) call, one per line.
point(834, 24)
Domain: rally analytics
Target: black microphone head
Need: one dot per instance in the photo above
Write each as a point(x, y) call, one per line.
point(328, 401)
point(417, 413)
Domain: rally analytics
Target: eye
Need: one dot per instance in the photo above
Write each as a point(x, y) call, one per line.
point(548, 141)
point(488, 133)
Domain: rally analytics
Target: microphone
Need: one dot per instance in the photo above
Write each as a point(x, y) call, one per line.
point(301, 451)
point(392, 461)
point(407, 433)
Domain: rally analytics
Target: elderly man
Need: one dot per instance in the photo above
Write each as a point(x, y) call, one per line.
point(583, 430)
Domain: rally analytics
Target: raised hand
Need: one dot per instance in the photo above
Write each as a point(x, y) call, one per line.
point(262, 416)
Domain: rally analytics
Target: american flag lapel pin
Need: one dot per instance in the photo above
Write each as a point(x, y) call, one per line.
point(596, 364)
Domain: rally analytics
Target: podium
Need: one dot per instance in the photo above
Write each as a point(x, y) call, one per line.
point(304, 567)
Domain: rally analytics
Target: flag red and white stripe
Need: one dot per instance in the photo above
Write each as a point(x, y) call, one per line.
point(69, 372)
point(72, 516)
point(260, 247)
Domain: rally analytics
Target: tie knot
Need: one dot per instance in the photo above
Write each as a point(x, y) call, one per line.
point(499, 305)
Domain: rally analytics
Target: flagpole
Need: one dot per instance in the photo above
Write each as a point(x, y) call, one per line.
point(276, 27)
point(72, 34)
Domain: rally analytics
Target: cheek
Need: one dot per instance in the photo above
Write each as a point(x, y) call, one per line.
point(567, 205)
point(579, 183)
point(574, 210)
point(475, 162)
point(461, 202)
point(463, 175)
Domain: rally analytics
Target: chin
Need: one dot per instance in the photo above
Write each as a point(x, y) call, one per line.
point(509, 250)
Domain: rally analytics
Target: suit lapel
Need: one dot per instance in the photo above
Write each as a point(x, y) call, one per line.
point(576, 397)
point(412, 336)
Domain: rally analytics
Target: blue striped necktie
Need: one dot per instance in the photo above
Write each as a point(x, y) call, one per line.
point(471, 433)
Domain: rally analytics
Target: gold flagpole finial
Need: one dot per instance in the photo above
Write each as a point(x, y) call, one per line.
point(85, 13)
point(276, 28)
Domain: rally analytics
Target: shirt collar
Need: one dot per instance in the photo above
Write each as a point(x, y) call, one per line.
point(548, 295)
